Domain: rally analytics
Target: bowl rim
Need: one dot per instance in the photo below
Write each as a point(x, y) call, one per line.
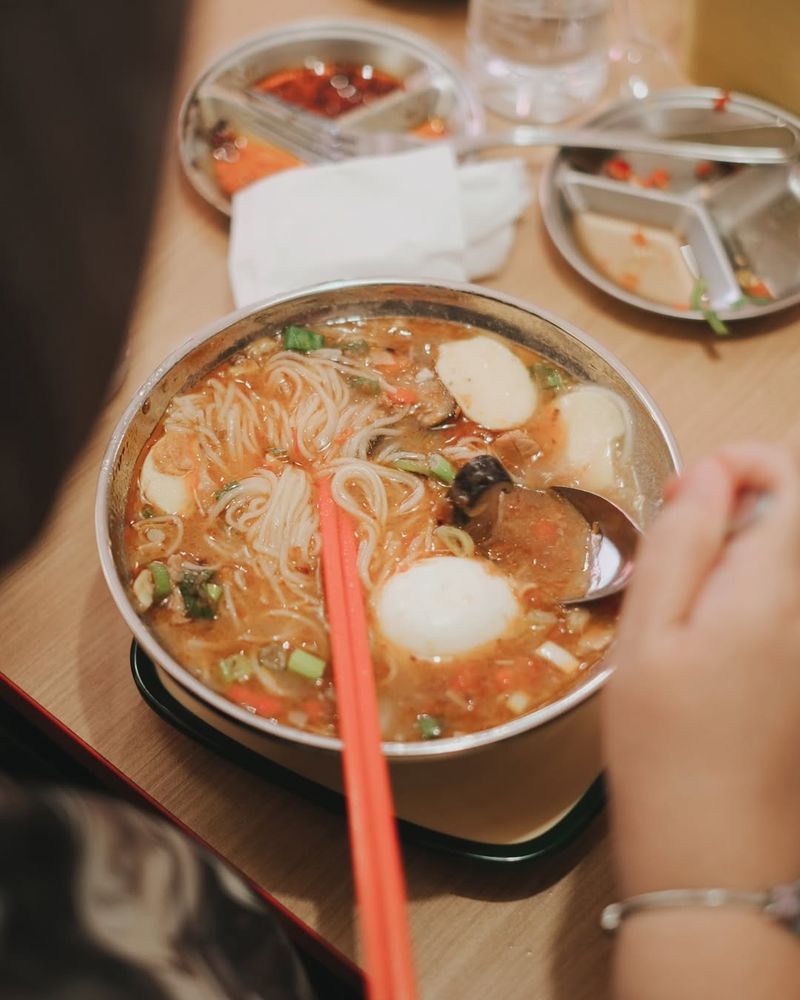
point(362, 28)
point(446, 746)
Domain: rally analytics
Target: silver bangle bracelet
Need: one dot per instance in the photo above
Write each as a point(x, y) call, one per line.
point(781, 903)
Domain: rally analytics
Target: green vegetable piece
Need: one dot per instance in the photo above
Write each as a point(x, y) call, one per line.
point(430, 728)
point(226, 488)
point(147, 513)
point(162, 585)
point(306, 664)
point(715, 323)
point(300, 338)
point(194, 589)
point(699, 290)
point(355, 347)
point(368, 386)
point(214, 591)
point(547, 377)
point(235, 668)
point(410, 465)
point(278, 452)
point(441, 469)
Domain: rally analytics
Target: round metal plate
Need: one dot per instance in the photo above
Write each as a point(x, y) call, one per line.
point(400, 53)
point(749, 216)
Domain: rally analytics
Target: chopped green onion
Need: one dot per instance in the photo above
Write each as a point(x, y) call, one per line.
point(198, 593)
point(715, 322)
point(547, 377)
point(355, 347)
point(226, 488)
point(441, 469)
point(456, 539)
point(699, 293)
point(278, 452)
point(369, 386)
point(411, 465)
point(699, 290)
point(147, 513)
point(300, 338)
point(430, 728)
point(306, 664)
point(162, 585)
point(435, 465)
point(235, 668)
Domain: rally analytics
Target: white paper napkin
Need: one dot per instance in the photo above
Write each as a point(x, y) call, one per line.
point(417, 214)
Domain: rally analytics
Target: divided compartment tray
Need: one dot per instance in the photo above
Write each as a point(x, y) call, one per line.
point(433, 87)
point(733, 221)
point(196, 720)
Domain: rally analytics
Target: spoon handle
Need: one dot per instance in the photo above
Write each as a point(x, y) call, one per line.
point(631, 142)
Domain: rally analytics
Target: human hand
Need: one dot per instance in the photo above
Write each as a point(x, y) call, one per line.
point(702, 714)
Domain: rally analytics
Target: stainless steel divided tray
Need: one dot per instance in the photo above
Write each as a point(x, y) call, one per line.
point(684, 238)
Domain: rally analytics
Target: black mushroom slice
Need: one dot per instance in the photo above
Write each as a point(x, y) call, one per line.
point(475, 494)
point(436, 405)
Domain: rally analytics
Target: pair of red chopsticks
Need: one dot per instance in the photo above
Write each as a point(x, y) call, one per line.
point(374, 848)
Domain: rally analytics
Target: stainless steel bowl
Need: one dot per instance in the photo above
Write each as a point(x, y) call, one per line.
point(654, 454)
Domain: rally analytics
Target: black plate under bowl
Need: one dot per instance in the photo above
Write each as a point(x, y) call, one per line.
point(172, 711)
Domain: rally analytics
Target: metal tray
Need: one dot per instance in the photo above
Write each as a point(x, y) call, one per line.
point(434, 86)
point(728, 222)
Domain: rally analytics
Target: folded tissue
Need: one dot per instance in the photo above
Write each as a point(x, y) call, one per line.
point(416, 214)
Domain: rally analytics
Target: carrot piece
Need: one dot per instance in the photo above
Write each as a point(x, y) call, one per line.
point(759, 290)
point(720, 103)
point(254, 161)
point(404, 396)
point(249, 697)
point(618, 169)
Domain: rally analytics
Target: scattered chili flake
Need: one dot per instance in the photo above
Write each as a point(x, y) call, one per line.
point(721, 103)
point(629, 281)
point(618, 169)
point(703, 170)
point(639, 239)
point(658, 178)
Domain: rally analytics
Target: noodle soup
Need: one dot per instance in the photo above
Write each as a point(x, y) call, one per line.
point(466, 626)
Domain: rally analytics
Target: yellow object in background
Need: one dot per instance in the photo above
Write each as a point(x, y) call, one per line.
point(753, 47)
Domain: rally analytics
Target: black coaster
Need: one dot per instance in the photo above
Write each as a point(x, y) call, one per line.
point(172, 711)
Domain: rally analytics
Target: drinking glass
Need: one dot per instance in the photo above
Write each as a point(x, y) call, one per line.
point(538, 60)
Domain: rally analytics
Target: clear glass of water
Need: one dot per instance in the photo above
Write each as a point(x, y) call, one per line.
point(538, 60)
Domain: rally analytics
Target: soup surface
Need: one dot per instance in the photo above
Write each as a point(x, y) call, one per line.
point(466, 628)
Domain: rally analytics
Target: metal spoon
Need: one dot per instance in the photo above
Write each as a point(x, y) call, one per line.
point(476, 492)
point(615, 538)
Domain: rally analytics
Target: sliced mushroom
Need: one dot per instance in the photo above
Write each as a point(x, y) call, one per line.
point(436, 405)
point(475, 494)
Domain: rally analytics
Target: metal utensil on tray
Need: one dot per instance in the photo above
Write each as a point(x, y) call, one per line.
point(317, 140)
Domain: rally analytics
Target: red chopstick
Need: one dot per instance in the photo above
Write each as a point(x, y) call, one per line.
point(374, 847)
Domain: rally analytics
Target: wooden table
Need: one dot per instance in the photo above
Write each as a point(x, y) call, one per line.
point(511, 932)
